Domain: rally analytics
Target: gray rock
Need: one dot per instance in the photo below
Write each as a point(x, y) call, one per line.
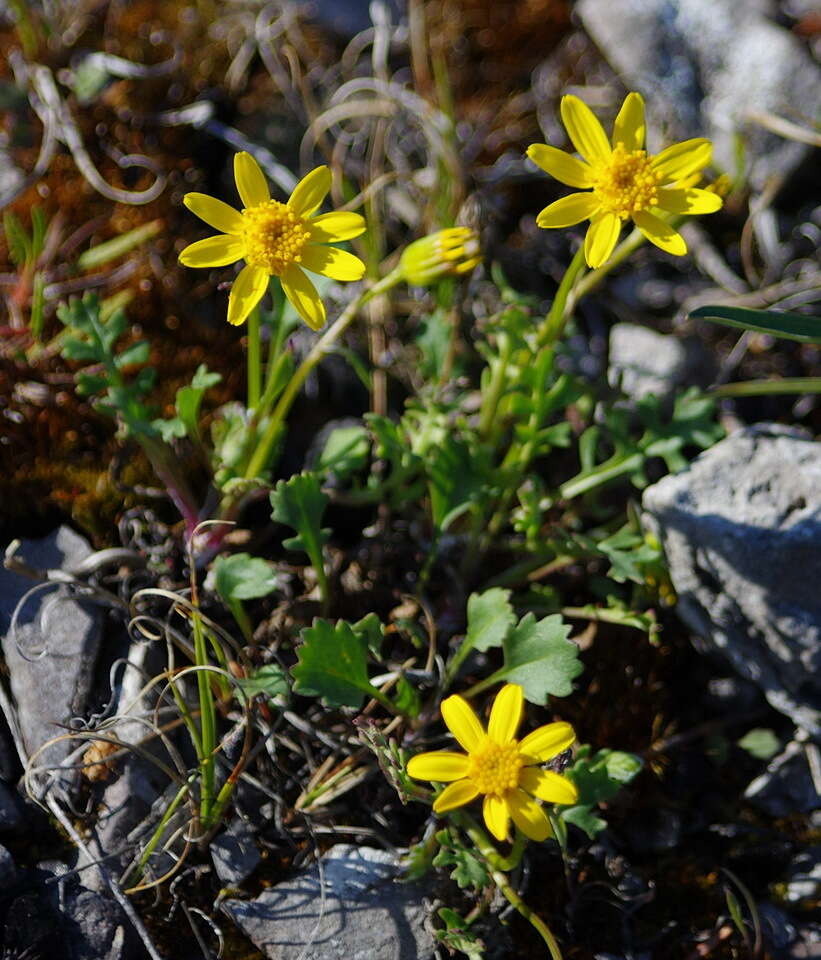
point(803, 882)
point(643, 361)
point(11, 810)
point(358, 913)
point(235, 854)
point(787, 785)
point(741, 529)
point(693, 59)
point(95, 927)
point(51, 653)
point(8, 871)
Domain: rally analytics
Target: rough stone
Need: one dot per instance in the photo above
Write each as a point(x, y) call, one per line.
point(348, 907)
point(803, 882)
point(740, 529)
point(95, 927)
point(50, 655)
point(643, 361)
point(8, 871)
point(692, 59)
point(11, 812)
point(235, 854)
point(787, 785)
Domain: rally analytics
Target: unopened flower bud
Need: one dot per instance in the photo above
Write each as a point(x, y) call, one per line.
point(446, 252)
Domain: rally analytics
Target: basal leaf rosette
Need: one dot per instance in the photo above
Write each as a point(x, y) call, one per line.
point(622, 181)
point(275, 239)
point(504, 770)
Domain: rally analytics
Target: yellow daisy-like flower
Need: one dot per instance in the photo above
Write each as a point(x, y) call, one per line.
point(497, 765)
point(276, 240)
point(624, 181)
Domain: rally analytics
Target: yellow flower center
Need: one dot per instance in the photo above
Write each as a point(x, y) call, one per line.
point(274, 236)
point(494, 768)
point(626, 183)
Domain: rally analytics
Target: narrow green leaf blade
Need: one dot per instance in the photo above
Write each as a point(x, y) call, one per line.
point(792, 326)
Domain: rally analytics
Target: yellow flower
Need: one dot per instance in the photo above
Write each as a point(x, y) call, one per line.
point(455, 250)
point(625, 182)
point(497, 765)
point(275, 239)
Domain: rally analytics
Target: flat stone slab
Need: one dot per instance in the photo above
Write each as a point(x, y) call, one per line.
point(348, 907)
point(741, 530)
point(50, 654)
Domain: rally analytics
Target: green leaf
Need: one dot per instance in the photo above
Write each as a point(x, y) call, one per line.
point(243, 577)
point(118, 246)
point(346, 452)
point(407, 700)
point(468, 870)
point(598, 778)
point(371, 629)
point(490, 617)
point(136, 353)
point(270, 680)
point(583, 818)
point(171, 429)
point(761, 743)
point(300, 503)
point(189, 399)
point(540, 658)
point(791, 326)
point(332, 665)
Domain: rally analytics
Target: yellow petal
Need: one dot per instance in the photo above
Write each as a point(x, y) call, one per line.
point(440, 765)
point(332, 262)
point(629, 128)
point(463, 723)
point(246, 292)
point(561, 165)
point(529, 816)
point(546, 742)
point(585, 130)
point(660, 233)
point(548, 786)
point(600, 239)
point(213, 251)
point(506, 714)
point(455, 795)
point(310, 191)
point(214, 212)
point(568, 211)
point(689, 201)
point(303, 296)
point(496, 814)
point(332, 227)
point(251, 182)
point(682, 159)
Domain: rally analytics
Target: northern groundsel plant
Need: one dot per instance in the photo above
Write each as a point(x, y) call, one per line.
point(275, 239)
point(504, 770)
point(622, 181)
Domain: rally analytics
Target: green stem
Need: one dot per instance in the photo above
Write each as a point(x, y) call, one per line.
point(498, 868)
point(156, 836)
point(609, 470)
point(242, 618)
point(262, 454)
point(208, 720)
point(254, 359)
point(553, 326)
